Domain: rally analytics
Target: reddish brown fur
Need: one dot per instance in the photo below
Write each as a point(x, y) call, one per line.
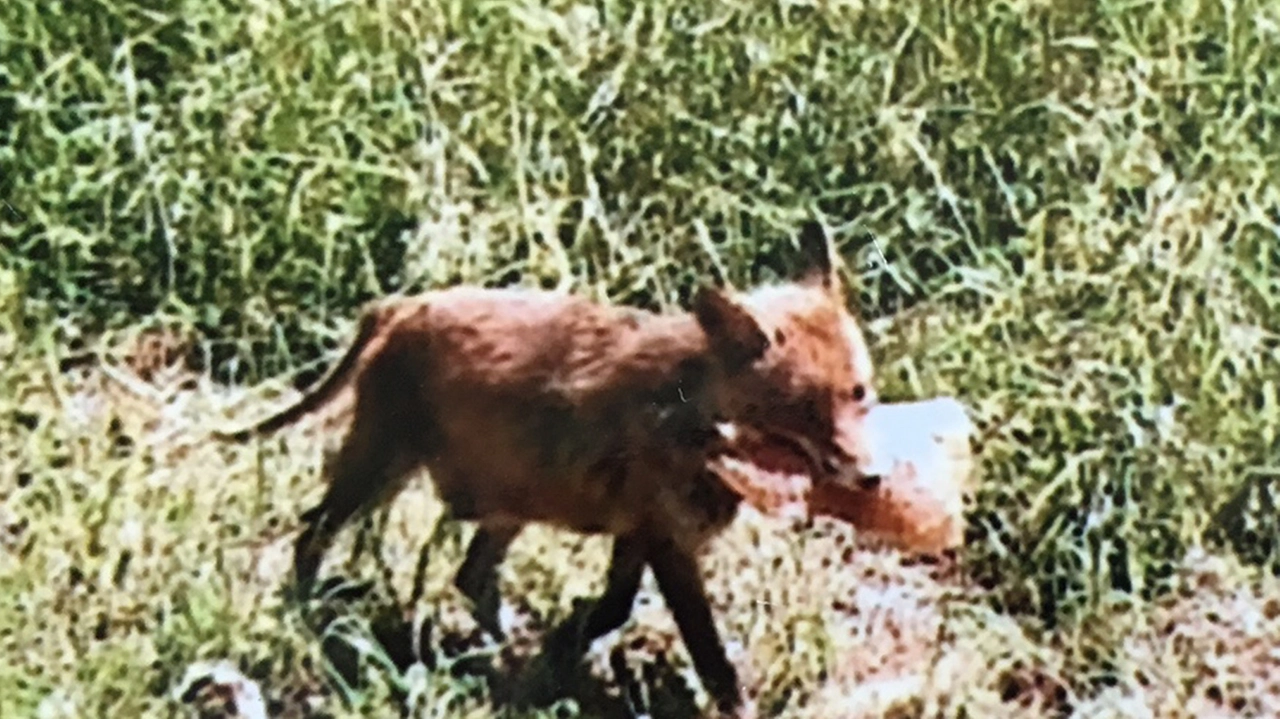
point(529, 406)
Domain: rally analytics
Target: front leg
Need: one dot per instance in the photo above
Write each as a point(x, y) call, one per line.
point(680, 582)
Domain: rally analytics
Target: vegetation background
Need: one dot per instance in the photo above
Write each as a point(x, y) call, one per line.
point(1064, 213)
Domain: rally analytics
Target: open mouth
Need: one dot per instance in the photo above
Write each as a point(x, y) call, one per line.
point(784, 474)
point(772, 451)
point(913, 473)
point(773, 471)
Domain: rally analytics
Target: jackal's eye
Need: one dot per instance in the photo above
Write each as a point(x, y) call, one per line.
point(856, 394)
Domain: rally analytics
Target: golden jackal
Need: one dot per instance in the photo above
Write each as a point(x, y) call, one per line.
point(532, 406)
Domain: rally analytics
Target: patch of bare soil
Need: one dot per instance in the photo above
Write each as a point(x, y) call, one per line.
point(1211, 649)
point(903, 634)
point(819, 622)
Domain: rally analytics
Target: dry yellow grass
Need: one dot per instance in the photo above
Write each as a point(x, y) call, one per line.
point(1063, 214)
point(178, 558)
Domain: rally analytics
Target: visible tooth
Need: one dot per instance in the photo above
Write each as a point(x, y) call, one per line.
point(728, 430)
point(816, 459)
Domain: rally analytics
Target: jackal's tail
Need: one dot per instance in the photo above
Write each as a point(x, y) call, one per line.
point(320, 393)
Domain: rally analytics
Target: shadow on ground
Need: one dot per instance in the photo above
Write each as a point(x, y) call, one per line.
point(516, 679)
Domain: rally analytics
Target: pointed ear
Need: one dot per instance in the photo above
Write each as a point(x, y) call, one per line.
point(734, 335)
point(818, 255)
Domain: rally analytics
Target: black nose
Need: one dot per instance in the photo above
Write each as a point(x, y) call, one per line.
point(869, 481)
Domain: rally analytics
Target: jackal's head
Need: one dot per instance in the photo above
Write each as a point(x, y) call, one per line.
point(794, 369)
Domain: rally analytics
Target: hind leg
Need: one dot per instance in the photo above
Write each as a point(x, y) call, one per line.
point(445, 528)
point(477, 578)
point(367, 470)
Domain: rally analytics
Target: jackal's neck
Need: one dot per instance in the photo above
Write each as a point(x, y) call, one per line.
point(670, 346)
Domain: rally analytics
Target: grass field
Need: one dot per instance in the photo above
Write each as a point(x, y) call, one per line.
point(1066, 214)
